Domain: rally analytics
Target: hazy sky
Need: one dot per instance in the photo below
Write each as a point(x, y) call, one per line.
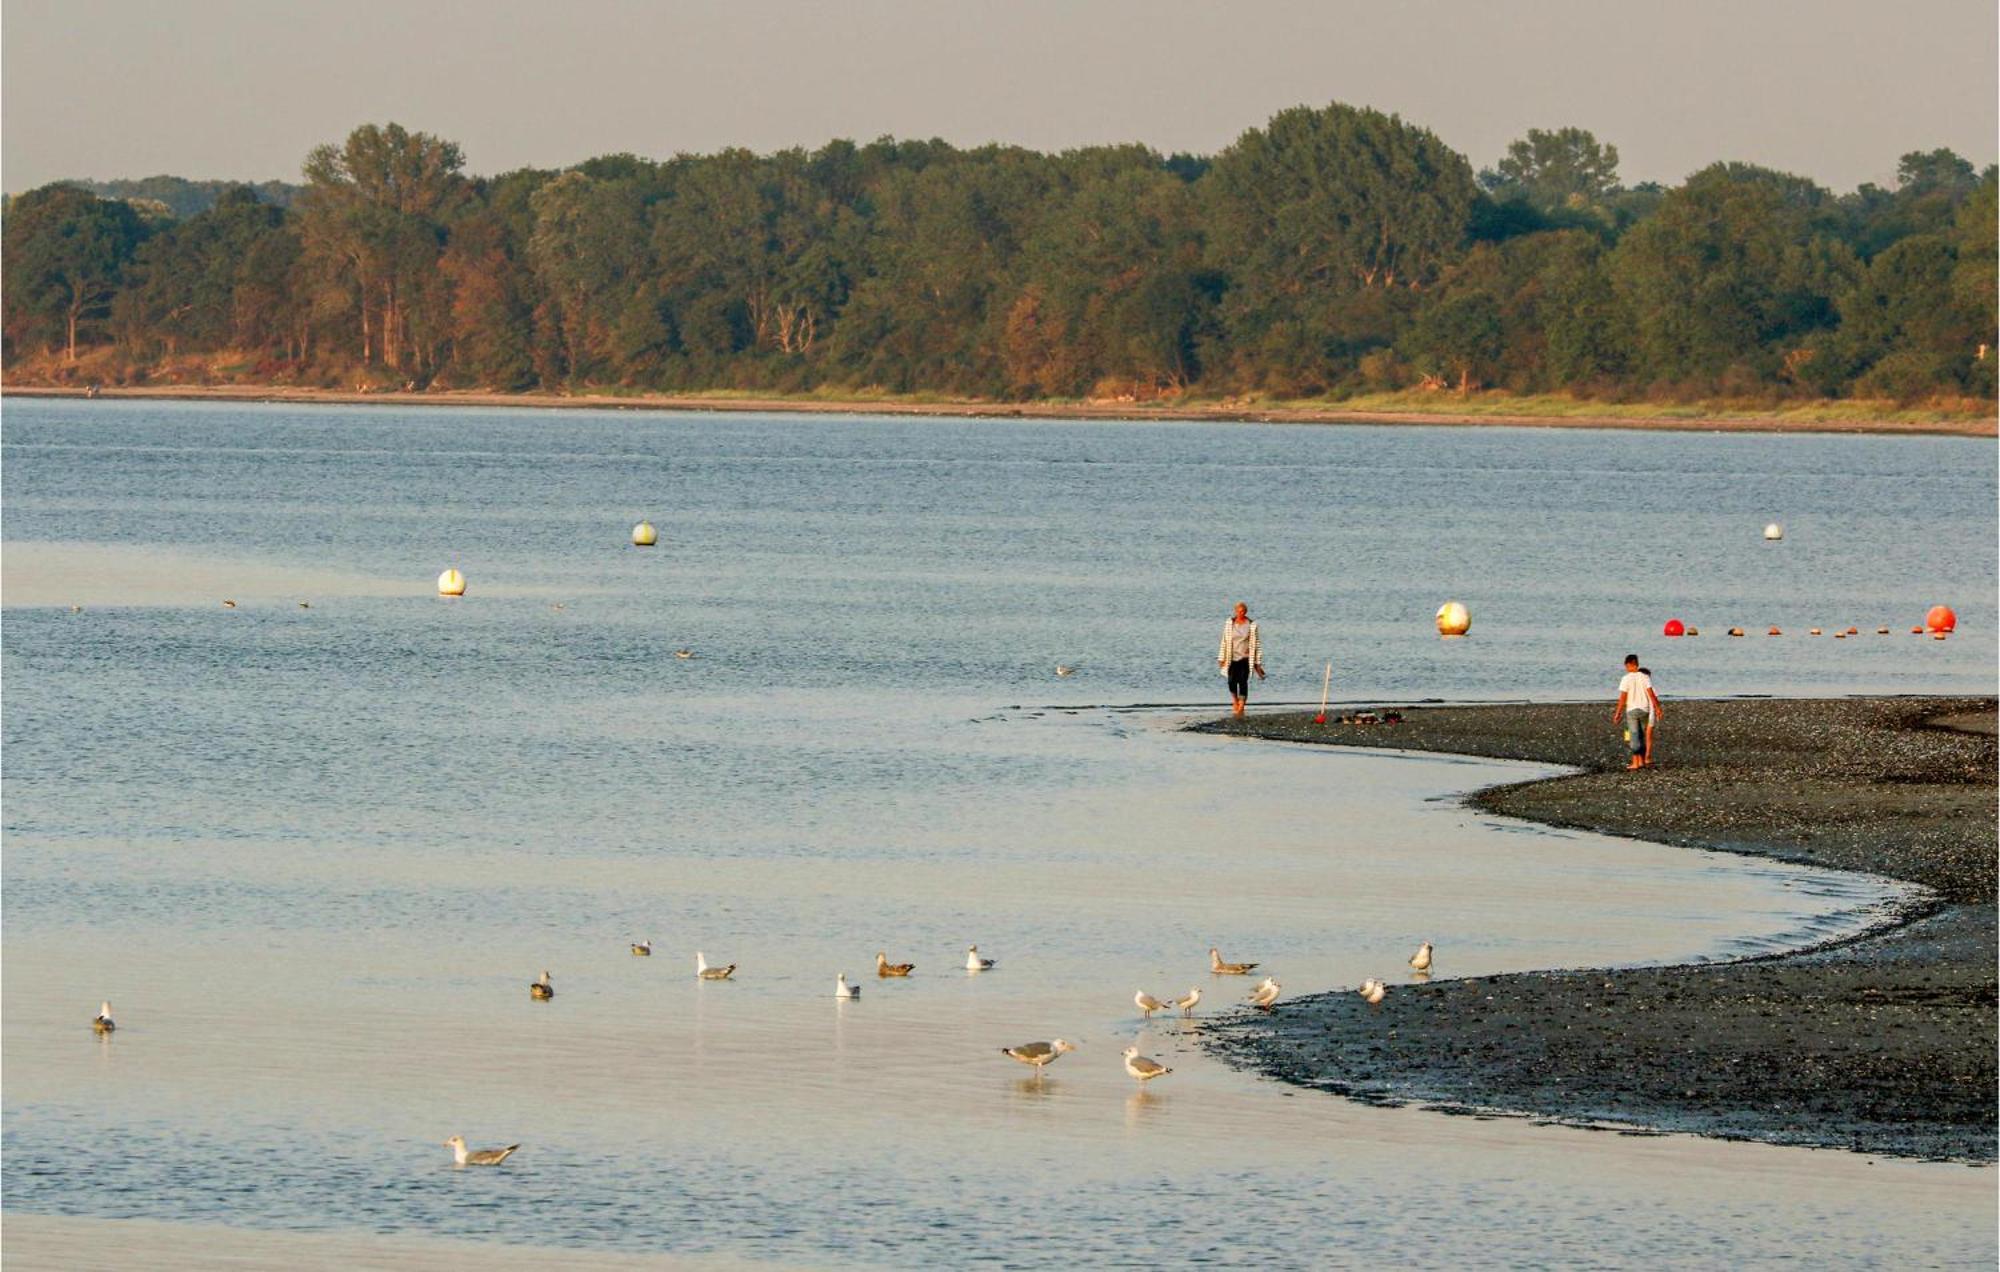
point(1831, 89)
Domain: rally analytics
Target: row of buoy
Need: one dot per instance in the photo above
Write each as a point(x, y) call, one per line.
point(452, 582)
point(1939, 622)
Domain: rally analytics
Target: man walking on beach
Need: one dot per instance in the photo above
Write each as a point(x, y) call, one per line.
point(1239, 656)
point(1640, 707)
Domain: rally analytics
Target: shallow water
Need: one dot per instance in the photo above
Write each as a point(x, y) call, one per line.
point(313, 856)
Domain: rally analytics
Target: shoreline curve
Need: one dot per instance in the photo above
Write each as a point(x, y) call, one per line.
point(1879, 1042)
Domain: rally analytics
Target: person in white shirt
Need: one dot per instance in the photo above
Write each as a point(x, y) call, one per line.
point(1639, 706)
point(1240, 655)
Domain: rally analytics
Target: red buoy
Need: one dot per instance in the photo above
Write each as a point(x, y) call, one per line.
point(1674, 627)
point(1941, 619)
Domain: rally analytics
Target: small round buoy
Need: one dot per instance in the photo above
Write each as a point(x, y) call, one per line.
point(1453, 619)
point(1939, 635)
point(1815, 632)
point(644, 536)
point(1735, 631)
point(1916, 631)
point(1774, 632)
point(1836, 635)
point(1694, 631)
point(1774, 531)
point(1674, 627)
point(1941, 619)
point(451, 583)
point(1881, 631)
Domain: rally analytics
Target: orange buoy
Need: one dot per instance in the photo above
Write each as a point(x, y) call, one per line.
point(1774, 632)
point(1453, 619)
point(1815, 632)
point(1735, 631)
point(1941, 619)
point(1916, 631)
point(1674, 627)
point(1836, 635)
point(1694, 631)
point(1881, 631)
point(1939, 635)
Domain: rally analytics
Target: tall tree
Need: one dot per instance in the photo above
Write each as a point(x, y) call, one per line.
point(373, 215)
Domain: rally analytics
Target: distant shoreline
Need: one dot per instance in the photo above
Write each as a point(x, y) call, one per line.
point(1881, 1043)
point(1197, 412)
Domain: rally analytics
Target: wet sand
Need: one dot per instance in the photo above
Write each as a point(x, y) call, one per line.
point(1214, 411)
point(1882, 1044)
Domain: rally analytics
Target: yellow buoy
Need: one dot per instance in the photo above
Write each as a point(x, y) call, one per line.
point(1774, 531)
point(1453, 619)
point(644, 536)
point(451, 583)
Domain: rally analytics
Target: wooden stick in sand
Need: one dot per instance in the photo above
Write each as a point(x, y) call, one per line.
point(1326, 683)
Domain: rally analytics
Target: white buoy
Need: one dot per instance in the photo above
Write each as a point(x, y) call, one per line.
point(451, 583)
point(1774, 531)
point(1453, 619)
point(644, 536)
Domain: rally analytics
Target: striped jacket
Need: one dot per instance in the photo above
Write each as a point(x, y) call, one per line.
point(1256, 649)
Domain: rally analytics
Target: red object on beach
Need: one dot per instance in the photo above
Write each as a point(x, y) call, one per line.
point(1674, 627)
point(1941, 619)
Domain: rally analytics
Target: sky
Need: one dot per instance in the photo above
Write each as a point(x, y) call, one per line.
point(1835, 90)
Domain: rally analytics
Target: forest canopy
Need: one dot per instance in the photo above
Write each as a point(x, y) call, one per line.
point(1333, 251)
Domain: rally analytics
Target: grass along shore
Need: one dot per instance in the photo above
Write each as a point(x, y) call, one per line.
point(1883, 1043)
point(1493, 409)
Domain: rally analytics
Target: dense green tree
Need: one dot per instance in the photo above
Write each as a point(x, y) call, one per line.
point(1566, 168)
point(66, 253)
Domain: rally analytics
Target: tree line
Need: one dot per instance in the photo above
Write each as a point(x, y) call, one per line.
point(1332, 251)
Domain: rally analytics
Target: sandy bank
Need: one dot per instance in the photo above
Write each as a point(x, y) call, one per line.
point(1885, 1044)
point(1030, 410)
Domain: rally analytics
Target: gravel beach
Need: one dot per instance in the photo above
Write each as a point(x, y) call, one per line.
point(1881, 1044)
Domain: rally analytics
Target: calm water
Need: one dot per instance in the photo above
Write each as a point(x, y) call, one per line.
point(313, 856)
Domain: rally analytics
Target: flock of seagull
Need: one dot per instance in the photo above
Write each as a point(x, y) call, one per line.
point(1036, 1055)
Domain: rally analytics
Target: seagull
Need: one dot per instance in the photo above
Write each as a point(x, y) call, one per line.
point(1148, 1004)
point(305, 605)
point(1143, 1069)
point(1187, 1004)
point(76, 609)
point(883, 967)
point(229, 605)
point(477, 1156)
point(1372, 991)
point(1265, 994)
point(1220, 968)
point(841, 989)
point(683, 653)
point(1421, 960)
point(541, 989)
point(104, 1024)
point(705, 972)
point(974, 963)
point(1065, 671)
point(644, 949)
point(1037, 1053)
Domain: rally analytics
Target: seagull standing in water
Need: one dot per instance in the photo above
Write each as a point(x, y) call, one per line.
point(1037, 1053)
point(974, 963)
point(1372, 991)
point(1143, 1069)
point(1220, 968)
point(1187, 1004)
point(705, 972)
point(541, 990)
point(1065, 671)
point(478, 1156)
point(104, 1024)
point(1265, 994)
point(1421, 960)
point(841, 989)
point(1147, 1004)
point(642, 949)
